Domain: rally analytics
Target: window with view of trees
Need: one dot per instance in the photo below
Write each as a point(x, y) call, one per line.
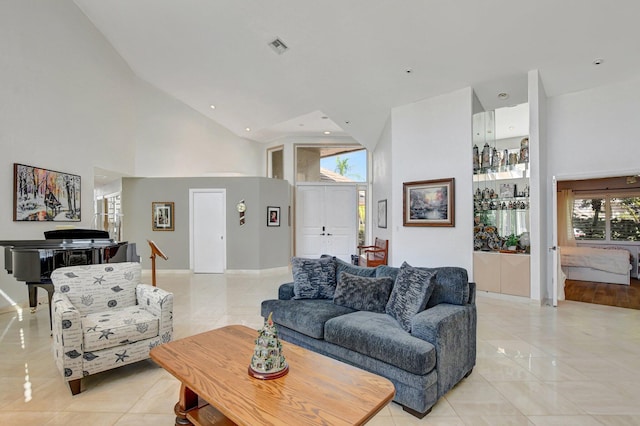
point(609, 218)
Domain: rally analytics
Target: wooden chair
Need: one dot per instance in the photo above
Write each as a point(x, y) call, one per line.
point(374, 255)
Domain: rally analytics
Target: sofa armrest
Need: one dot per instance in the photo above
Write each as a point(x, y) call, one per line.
point(159, 302)
point(66, 327)
point(452, 330)
point(285, 291)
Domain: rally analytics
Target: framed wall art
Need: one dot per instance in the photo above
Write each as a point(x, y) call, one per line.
point(428, 203)
point(162, 215)
point(45, 195)
point(273, 216)
point(382, 214)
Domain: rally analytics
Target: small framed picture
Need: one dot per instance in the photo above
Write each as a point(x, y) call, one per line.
point(162, 215)
point(382, 214)
point(273, 216)
point(428, 203)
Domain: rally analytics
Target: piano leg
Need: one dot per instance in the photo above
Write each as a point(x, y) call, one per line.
point(33, 296)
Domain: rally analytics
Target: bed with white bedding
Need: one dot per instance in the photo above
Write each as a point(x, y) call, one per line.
point(596, 264)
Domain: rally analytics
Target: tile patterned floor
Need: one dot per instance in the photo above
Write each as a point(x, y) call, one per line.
point(578, 364)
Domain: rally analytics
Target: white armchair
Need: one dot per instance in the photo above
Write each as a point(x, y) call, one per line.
point(103, 318)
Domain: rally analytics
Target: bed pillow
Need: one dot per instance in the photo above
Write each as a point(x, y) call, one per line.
point(362, 293)
point(313, 278)
point(410, 294)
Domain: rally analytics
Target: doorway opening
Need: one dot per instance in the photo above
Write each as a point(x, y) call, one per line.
point(598, 238)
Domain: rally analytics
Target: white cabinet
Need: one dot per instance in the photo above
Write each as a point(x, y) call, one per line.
point(504, 273)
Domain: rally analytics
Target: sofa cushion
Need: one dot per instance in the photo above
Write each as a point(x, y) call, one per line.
point(118, 326)
point(451, 284)
point(362, 293)
point(306, 316)
point(313, 278)
point(361, 271)
point(412, 289)
point(379, 336)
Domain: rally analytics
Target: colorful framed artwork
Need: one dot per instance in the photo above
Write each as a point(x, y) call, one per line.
point(382, 214)
point(162, 215)
point(43, 195)
point(273, 216)
point(428, 203)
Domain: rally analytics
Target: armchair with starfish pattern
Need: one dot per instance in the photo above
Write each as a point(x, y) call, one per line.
point(103, 317)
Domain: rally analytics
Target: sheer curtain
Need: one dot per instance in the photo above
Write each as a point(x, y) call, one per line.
point(565, 212)
point(566, 236)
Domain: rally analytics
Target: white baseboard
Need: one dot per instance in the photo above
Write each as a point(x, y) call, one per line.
point(271, 271)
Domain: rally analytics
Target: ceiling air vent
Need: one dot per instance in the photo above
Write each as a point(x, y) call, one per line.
point(279, 46)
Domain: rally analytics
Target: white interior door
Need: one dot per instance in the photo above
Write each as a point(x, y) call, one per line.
point(326, 221)
point(207, 225)
point(341, 220)
point(309, 221)
point(554, 241)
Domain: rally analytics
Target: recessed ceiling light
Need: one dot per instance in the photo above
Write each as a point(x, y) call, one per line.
point(327, 133)
point(347, 122)
point(248, 129)
point(598, 61)
point(324, 117)
point(212, 106)
point(512, 127)
point(408, 70)
point(503, 96)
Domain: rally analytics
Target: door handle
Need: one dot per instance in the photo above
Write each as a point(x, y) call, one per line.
point(322, 233)
point(329, 233)
point(554, 248)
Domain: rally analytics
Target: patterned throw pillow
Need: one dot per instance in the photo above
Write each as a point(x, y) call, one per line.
point(362, 293)
point(410, 294)
point(313, 278)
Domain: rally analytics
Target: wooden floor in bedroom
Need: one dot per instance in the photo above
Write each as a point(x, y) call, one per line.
point(624, 296)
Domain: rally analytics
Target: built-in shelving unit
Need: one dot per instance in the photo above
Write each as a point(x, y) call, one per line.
point(501, 194)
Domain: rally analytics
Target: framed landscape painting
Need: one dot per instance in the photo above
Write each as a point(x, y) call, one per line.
point(43, 195)
point(428, 203)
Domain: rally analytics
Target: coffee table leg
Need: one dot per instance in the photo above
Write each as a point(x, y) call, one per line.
point(188, 400)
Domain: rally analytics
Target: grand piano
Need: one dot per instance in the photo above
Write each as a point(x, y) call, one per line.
point(32, 261)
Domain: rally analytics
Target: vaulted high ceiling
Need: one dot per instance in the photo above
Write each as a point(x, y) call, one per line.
point(350, 62)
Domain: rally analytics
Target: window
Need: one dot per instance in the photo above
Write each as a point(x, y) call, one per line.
point(330, 163)
point(625, 219)
point(607, 218)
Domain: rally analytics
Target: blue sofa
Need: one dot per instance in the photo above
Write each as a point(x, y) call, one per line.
point(423, 363)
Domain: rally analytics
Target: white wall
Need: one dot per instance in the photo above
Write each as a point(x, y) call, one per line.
point(382, 186)
point(66, 105)
point(173, 139)
point(70, 103)
point(595, 132)
point(431, 139)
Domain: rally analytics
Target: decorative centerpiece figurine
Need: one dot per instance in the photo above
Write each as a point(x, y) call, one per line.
point(267, 361)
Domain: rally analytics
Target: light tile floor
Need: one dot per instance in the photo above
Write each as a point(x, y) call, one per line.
point(578, 364)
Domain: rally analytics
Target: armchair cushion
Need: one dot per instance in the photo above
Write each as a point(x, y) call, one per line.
point(116, 327)
point(98, 288)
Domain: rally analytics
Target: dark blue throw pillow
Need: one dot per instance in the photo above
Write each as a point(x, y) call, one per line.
point(363, 293)
point(410, 294)
point(313, 278)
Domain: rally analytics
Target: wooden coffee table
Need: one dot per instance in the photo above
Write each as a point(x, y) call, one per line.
point(217, 389)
